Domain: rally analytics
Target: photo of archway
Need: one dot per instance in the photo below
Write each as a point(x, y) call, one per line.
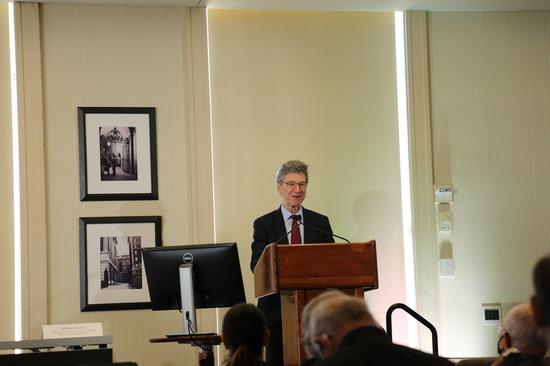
point(118, 153)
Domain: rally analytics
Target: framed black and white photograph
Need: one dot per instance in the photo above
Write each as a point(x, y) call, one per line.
point(118, 153)
point(112, 276)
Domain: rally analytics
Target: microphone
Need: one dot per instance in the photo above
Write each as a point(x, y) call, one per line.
point(321, 230)
point(299, 219)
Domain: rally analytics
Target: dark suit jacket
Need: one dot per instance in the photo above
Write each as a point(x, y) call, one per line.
point(520, 359)
point(371, 346)
point(271, 227)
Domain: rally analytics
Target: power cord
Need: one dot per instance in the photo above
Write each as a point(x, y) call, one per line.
point(191, 329)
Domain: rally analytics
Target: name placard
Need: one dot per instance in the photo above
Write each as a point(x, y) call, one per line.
point(53, 331)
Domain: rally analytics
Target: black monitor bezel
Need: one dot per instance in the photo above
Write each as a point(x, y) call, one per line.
point(163, 285)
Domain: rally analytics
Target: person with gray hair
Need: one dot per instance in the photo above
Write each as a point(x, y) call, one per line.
point(290, 223)
point(519, 338)
point(338, 329)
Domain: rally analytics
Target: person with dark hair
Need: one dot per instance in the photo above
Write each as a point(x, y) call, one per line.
point(112, 160)
point(290, 223)
point(105, 164)
point(244, 334)
point(540, 301)
point(540, 304)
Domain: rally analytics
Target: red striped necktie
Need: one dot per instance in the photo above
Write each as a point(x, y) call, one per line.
point(295, 236)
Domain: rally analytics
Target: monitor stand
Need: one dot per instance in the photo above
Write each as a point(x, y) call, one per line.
point(187, 299)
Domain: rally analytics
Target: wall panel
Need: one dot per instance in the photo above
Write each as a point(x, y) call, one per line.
point(119, 56)
point(490, 84)
point(423, 213)
point(320, 87)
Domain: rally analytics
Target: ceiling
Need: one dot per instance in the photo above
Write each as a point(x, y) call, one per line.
point(331, 5)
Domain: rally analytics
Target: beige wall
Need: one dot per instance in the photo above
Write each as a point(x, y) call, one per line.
point(314, 86)
point(6, 184)
point(340, 99)
point(124, 56)
point(319, 87)
point(489, 80)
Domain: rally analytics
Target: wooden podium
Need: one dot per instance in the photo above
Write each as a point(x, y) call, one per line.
point(301, 272)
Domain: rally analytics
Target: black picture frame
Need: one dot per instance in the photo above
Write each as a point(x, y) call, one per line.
point(118, 153)
point(110, 279)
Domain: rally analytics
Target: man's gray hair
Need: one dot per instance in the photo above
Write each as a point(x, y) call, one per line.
point(519, 323)
point(327, 313)
point(291, 166)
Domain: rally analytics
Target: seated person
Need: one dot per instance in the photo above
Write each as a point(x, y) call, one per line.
point(339, 330)
point(519, 340)
point(105, 164)
point(244, 334)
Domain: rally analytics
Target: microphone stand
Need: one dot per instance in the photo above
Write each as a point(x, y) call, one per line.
point(323, 231)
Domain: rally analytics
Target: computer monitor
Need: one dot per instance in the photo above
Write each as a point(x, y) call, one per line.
point(209, 274)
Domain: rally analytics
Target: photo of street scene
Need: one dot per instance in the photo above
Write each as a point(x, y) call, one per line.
point(120, 262)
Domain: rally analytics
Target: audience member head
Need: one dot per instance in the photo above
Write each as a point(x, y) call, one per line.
point(540, 301)
point(244, 333)
point(328, 318)
point(519, 331)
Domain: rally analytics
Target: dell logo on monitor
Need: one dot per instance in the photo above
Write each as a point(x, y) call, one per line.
point(188, 258)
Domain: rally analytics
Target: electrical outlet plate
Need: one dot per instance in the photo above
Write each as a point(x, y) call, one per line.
point(446, 226)
point(446, 267)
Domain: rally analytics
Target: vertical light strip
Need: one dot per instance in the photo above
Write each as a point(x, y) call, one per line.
point(219, 318)
point(16, 193)
point(402, 107)
point(211, 125)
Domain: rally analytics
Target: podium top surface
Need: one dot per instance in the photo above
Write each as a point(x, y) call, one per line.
point(316, 266)
point(57, 342)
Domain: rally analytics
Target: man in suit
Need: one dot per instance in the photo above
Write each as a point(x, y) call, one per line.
point(289, 224)
point(338, 329)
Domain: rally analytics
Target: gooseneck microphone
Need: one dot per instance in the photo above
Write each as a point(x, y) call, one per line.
point(321, 230)
point(299, 219)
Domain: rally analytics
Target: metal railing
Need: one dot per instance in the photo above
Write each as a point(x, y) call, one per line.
point(418, 317)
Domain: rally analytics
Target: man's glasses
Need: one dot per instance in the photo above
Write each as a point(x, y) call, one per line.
point(294, 185)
